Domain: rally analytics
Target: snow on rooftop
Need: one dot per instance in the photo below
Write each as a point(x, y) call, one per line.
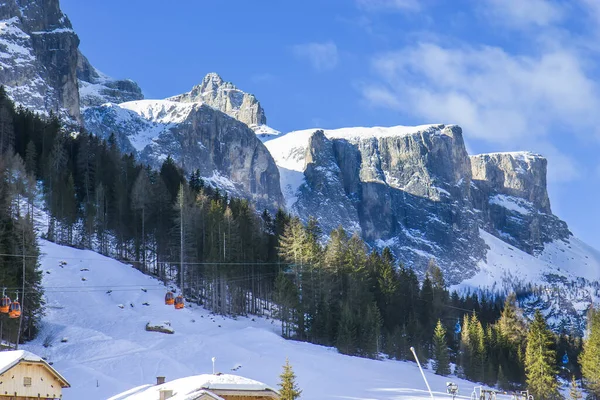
point(10, 358)
point(193, 384)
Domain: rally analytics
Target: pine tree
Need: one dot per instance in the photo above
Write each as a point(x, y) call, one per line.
point(590, 357)
point(540, 360)
point(574, 391)
point(511, 323)
point(502, 382)
point(346, 340)
point(441, 361)
point(288, 388)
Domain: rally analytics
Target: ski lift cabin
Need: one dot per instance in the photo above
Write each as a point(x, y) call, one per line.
point(169, 299)
point(5, 305)
point(179, 303)
point(14, 310)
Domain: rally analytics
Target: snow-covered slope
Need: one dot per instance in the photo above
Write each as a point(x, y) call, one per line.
point(506, 266)
point(107, 351)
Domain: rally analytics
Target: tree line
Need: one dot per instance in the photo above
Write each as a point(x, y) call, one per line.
point(330, 289)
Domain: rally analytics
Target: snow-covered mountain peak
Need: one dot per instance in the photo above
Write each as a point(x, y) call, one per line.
point(214, 79)
point(226, 97)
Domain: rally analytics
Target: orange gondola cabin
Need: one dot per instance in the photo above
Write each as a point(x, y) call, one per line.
point(5, 305)
point(14, 310)
point(169, 299)
point(179, 303)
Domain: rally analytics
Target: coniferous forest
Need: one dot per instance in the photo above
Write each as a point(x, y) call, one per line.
point(234, 260)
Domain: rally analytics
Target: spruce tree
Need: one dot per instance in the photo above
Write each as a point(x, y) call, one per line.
point(574, 391)
point(540, 360)
point(590, 357)
point(288, 388)
point(502, 382)
point(441, 361)
point(346, 339)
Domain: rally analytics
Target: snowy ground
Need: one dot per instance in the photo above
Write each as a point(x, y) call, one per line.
point(108, 350)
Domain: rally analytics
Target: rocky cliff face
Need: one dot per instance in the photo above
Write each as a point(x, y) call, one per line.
point(225, 96)
point(95, 88)
point(227, 152)
point(42, 68)
point(38, 56)
point(511, 193)
point(416, 190)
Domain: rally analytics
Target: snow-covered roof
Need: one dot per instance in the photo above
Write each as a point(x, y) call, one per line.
point(9, 359)
point(193, 386)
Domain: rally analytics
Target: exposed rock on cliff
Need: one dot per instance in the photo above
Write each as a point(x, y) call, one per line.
point(95, 88)
point(227, 152)
point(38, 57)
point(225, 96)
point(511, 192)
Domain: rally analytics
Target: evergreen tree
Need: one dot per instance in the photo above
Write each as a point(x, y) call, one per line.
point(346, 340)
point(574, 391)
point(288, 388)
point(441, 360)
point(590, 357)
point(511, 322)
point(502, 382)
point(540, 360)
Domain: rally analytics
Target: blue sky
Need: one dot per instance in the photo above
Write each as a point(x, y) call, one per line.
point(515, 74)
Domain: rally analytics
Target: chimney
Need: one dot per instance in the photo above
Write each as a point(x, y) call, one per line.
point(166, 394)
point(160, 380)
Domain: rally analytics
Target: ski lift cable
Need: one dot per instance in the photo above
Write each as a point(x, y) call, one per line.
point(108, 259)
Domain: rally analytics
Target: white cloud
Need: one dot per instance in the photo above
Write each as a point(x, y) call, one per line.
point(524, 13)
point(494, 95)
point(389, 5)
point(322, 56)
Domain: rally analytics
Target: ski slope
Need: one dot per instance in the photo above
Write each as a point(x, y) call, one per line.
point(107, 350)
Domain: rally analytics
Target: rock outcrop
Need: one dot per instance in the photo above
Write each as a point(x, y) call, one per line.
point(227, 152)
point(42, 68)
point(96, 89)
point(510, 190)
point(225, 96)
point(38, 57)
point(518, 174)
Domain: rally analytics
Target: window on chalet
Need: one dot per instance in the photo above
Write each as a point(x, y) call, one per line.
point(26, 381)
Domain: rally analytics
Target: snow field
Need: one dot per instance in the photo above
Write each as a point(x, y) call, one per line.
point(108, 350)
